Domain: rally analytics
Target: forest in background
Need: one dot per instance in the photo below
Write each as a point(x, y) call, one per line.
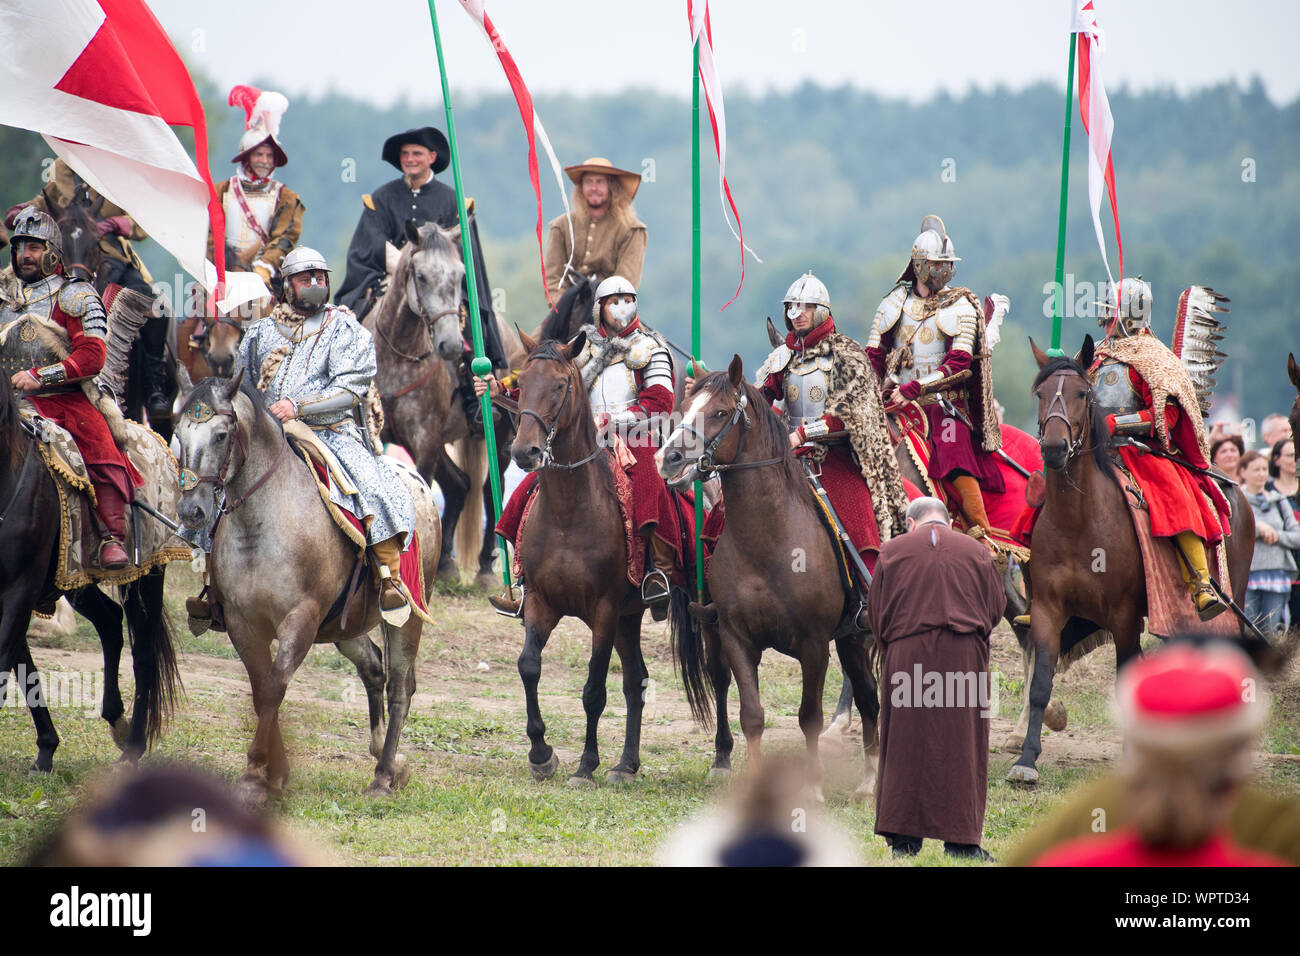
point(837, 180)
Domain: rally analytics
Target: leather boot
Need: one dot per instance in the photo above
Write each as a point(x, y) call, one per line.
point(972, 503)
point(153, 366)
point(1204, 596)
point(394, 606)
point(654, 586)
point(111, 511)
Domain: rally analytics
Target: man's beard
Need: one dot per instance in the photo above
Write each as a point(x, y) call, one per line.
point(29, 272)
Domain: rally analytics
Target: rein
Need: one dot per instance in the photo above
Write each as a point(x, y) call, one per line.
point(428, 326)
point(219, 480)
point(548, 458)
point(705, 466)
point(1058, 401)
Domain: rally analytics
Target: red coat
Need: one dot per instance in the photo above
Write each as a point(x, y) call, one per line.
point(1176, 496)
point(1124, 848)
point(73, 411)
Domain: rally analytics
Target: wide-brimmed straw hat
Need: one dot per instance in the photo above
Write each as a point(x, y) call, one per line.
point(599, 164)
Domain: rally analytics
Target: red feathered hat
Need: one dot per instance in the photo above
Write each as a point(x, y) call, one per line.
point(262, 114)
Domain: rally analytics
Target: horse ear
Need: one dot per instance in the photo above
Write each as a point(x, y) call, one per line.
point(413, 233)
point(1039, 355)
point(453, 233)
point(736, 371)
point(231, 388)
point(574, 345)
point(1084, 358)
point(773, 336)
point(1293, 370)
point(527, 341)
point(52, 208)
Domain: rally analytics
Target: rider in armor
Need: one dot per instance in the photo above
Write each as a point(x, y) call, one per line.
point(927, 344)
point(314, 362)
point(628, 372)
point(1135, 374)
point(52, 336)
point(836, 419)
point(263, 216)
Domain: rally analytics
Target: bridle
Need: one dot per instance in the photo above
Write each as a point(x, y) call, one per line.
point(189, 480)
point(1056, 409)
point(548, 458)
point(429, 323)
point(705, 466)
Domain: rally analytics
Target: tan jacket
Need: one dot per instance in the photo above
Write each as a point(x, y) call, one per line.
point(604, 249)
point(62, 189)
point(284, 230)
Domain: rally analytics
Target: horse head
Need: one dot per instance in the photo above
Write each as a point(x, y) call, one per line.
point(208, 431)
point(78, 233)
point(707, 437)
point(434, 274)
point(1293, 370)
point(552, 400)
point(1065, 403)
point(571, 312)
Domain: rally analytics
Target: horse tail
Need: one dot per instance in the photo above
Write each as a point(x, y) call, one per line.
point(690, 656)
point(471, 454)
point(154, 645)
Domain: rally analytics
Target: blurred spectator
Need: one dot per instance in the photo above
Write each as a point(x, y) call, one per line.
point(766, 822)
point(1273, 429)
point(167, 816)
point(1277, 533)
point(1225, 452)
point(1282, 479)
point(1190, 716)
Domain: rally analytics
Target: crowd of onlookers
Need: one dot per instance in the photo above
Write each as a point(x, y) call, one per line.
point(1268, 479)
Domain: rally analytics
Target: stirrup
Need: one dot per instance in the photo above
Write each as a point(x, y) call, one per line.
point(1207, 609)
point(99, 554)
point(657, 576)
point(507, 605)
point(393, 613)
point(1020, 620)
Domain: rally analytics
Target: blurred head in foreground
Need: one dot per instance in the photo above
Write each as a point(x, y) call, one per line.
point(769, 820)
point(166, 816)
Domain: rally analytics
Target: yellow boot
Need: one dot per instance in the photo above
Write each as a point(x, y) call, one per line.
point(1197, 579)
point(972, 506)
point(393, 605)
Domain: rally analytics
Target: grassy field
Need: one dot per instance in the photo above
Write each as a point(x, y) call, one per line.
point(471, 799)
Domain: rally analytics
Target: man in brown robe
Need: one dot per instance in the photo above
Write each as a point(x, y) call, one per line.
point(935, 598)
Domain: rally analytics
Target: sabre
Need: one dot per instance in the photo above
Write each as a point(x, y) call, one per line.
point(958, 414)
point(839, 526)
point(1159, 453)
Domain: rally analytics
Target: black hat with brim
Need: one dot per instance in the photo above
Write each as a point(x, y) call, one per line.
point(426, 136)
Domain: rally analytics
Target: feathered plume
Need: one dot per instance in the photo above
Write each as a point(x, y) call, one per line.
point(1196, 334)
point(996, 307)
point(262, 110)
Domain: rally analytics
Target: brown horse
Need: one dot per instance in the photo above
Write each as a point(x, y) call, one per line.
point(773, 578)
point(574, 556)
point(1293, 372)
point(419, 347)
point(1085, 513)
point(281, 568)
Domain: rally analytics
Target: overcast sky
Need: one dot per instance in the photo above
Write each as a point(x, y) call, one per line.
point(381, 49)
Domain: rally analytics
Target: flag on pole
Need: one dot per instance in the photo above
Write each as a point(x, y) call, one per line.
point(532, 124)
point(702, 33)
point(1094, 109)
point(101, 82)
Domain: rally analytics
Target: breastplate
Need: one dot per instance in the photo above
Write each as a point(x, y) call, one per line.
point(614, 389)
point(29, 337)
point(929, 345)
point(807, 381)
point(261, 204)
point(1113, 390)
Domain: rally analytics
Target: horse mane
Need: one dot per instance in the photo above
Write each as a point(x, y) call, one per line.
point(558, 325)
point(769, 431)
point(1098, 433)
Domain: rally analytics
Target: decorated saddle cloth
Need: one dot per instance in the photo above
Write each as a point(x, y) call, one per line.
point(76, 562)
point(328, 471)
point(1170, 610)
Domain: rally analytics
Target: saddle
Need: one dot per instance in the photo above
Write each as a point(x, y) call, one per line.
point(150, 543)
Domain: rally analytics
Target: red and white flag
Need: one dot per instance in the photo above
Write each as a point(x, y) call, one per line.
point(1094, 108)
point(702, 32)
point(532, 124)
point(101, 82)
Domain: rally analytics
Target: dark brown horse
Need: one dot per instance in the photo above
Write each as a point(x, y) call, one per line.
point(1085, 514)
point(773, 579)
point(574, 556)
point(1293, 371)
point(29, 539)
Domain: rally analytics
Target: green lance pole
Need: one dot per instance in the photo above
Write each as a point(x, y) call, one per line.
point(1058, 293)
point(481, 366)
point(695, 297)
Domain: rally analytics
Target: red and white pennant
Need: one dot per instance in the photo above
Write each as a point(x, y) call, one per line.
point(1094, 108)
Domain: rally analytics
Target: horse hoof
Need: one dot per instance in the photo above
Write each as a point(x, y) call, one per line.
point(839, 725)
point(1022, 774)
point(401, 771)
point(252, 793)
point(120, 729)
point(1013, 743)
point(486, 581)
point(448, 575)
point(377, 789)
point(41, 766)
point(545, 770)
point(581, 783)
point(866, 790)
point(1055, 716)
point(719, 773)
point(620, 776)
